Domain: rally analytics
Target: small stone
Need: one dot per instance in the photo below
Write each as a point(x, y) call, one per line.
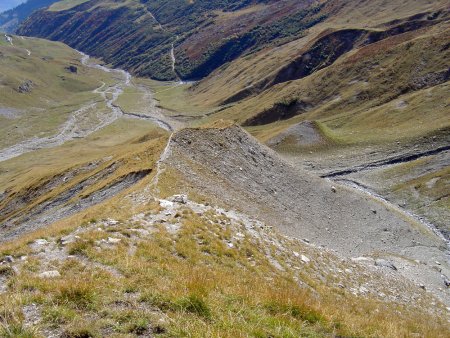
point(374, 211)
point(305, 259)
point(386, 264)
point(296, 254)
point(8, 259)
point(41, 242)
point(306, 240)
point(112, 240)
point(333, 189)
point(50, 274)
point(182, 199)
point(422, 286)
point(25, 87)
point(166, 204)
point(447, 282)
point(362, 289)
point(67, 240)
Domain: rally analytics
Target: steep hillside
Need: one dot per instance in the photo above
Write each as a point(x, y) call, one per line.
point(175, 266)
point(11, 19)
point(170, 39)
point(131, 206)
point(228, 167)
point(364, 87)
point(8, 4)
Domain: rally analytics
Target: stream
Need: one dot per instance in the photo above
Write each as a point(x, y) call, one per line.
point(79, 124)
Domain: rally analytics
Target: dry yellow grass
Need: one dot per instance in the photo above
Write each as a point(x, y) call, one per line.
point(190, 283)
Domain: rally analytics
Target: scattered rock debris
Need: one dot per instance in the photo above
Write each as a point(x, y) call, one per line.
point(25, 87)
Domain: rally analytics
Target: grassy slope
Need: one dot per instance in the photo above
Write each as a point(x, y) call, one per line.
point(357, 99)
point(344, 14)
point(66, 4)
point(191, 282)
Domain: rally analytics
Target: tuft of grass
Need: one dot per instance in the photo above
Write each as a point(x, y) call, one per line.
point(80, 331)
point(196, 305)
point(58, 315)
point(17, 330)
point(6, 270)
point(138, 327)
point(79, 294)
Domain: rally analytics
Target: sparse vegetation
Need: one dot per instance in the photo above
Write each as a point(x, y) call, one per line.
point(205, 289)
point(129, 264)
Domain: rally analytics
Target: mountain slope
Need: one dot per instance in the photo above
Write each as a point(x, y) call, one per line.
point(8, 4)
point(139, 36)
point(12, 18)
point(179, 267)
point(227, 167)
point(129, 212)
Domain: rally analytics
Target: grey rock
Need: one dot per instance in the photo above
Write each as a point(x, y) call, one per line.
point(72, 69)
point(305, 259)
point(112, 240)
point(8, 259)
point(50, 274)
point(182, 199)
point(447, 282)
point(385, 264)
point(41, 242)
point(26, 87)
